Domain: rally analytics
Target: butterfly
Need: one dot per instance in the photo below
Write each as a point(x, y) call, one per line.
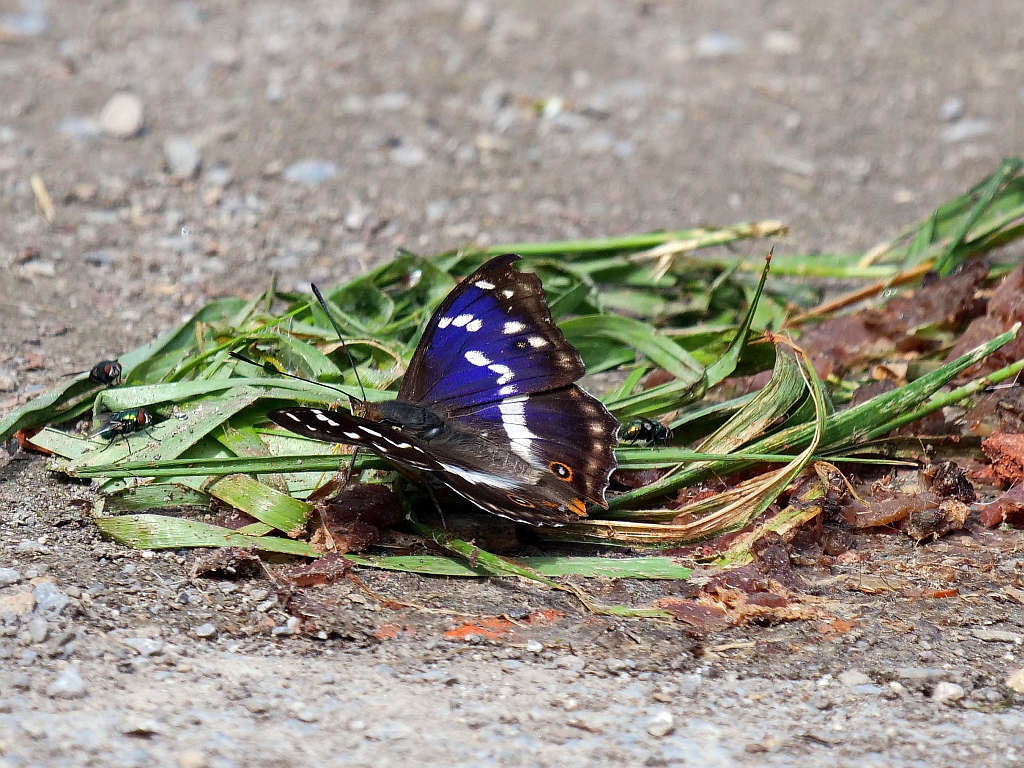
point(488, 406)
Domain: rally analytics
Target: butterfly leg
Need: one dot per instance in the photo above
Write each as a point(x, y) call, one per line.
point(437, 505)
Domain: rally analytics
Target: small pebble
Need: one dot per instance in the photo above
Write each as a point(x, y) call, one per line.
point(534, 647)
point(290, 627)
point(257, 706)
point(28, 546)
point(965, 129)
point(146, 646)
point(714, 45)
point(38, 630)
point(205, 630)
point(408, 156)
point(1015, 681)
point(852, 677)
point(307, 715)
point(952, 109)
point(661, 724)
point(122, 116)
point(311, 172)
point(997, 636)
point(192, 758)
point(68, 685)
point(781, 42)
point(50, 601)
point(182, 157)
point(9, 576)
point(21, 681)
point(32, 22)
point(947, 693)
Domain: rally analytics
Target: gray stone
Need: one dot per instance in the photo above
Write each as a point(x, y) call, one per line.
point(50, 601)
point(68, 685)
point(965, 129)
point(311, 172)
point(146, 646)
point(952, 109)
point(714, 45)
point(852, 677)
point(38, 630)
point(661, 725)
point(31, 22)
point(122, 117)
point(206, 630)
point(997, 636)
point(947, 693)
point(182, 157)
point(29, 546)
point(409, 156)
point(9, 576)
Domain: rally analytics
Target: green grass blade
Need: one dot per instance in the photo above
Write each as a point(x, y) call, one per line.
point(665, 568)
point(165, 532)
point(274, 508)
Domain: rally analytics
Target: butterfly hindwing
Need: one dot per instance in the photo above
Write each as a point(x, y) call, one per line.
point(491, 338)
point(534, 427)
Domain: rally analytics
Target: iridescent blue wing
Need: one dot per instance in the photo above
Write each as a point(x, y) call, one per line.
point(491, 338)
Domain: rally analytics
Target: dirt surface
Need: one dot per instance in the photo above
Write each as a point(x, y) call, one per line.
point(847, 121)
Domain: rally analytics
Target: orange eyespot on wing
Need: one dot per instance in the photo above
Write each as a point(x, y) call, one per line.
point(561, 471)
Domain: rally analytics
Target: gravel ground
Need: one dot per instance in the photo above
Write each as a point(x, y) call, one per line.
point(191, 149)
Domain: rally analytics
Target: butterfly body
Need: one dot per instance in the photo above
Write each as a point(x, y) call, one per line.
point(488, 407)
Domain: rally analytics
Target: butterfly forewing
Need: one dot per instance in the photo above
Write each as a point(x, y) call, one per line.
point(339, 427)
point(491, 338)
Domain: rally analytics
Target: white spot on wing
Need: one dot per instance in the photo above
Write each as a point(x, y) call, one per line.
point(484, 284)
point(477, 358)
point(474, 326)
point(462, 320)
point(505, 374)
point(537, 341)
point(479, 478)
point(369, 431)
point(293, 417)
point(444, 322)
point(512, 326)
point(511, 389)
point(353, 435)
point(513, 419)
point(508, 294)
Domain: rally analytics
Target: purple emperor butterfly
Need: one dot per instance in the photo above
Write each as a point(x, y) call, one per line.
point(488, 406)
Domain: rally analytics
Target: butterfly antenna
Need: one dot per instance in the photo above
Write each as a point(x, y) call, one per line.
point(271, 369)
point(341, 338)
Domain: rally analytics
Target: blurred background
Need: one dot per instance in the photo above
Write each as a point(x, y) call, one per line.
point(191, 149)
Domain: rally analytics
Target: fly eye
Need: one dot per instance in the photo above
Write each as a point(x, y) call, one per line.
point(561, 471)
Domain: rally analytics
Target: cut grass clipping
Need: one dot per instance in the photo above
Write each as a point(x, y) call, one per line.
point(672, 304)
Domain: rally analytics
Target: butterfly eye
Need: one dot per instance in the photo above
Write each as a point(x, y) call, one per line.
point(561, 471)
point(520, 501)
